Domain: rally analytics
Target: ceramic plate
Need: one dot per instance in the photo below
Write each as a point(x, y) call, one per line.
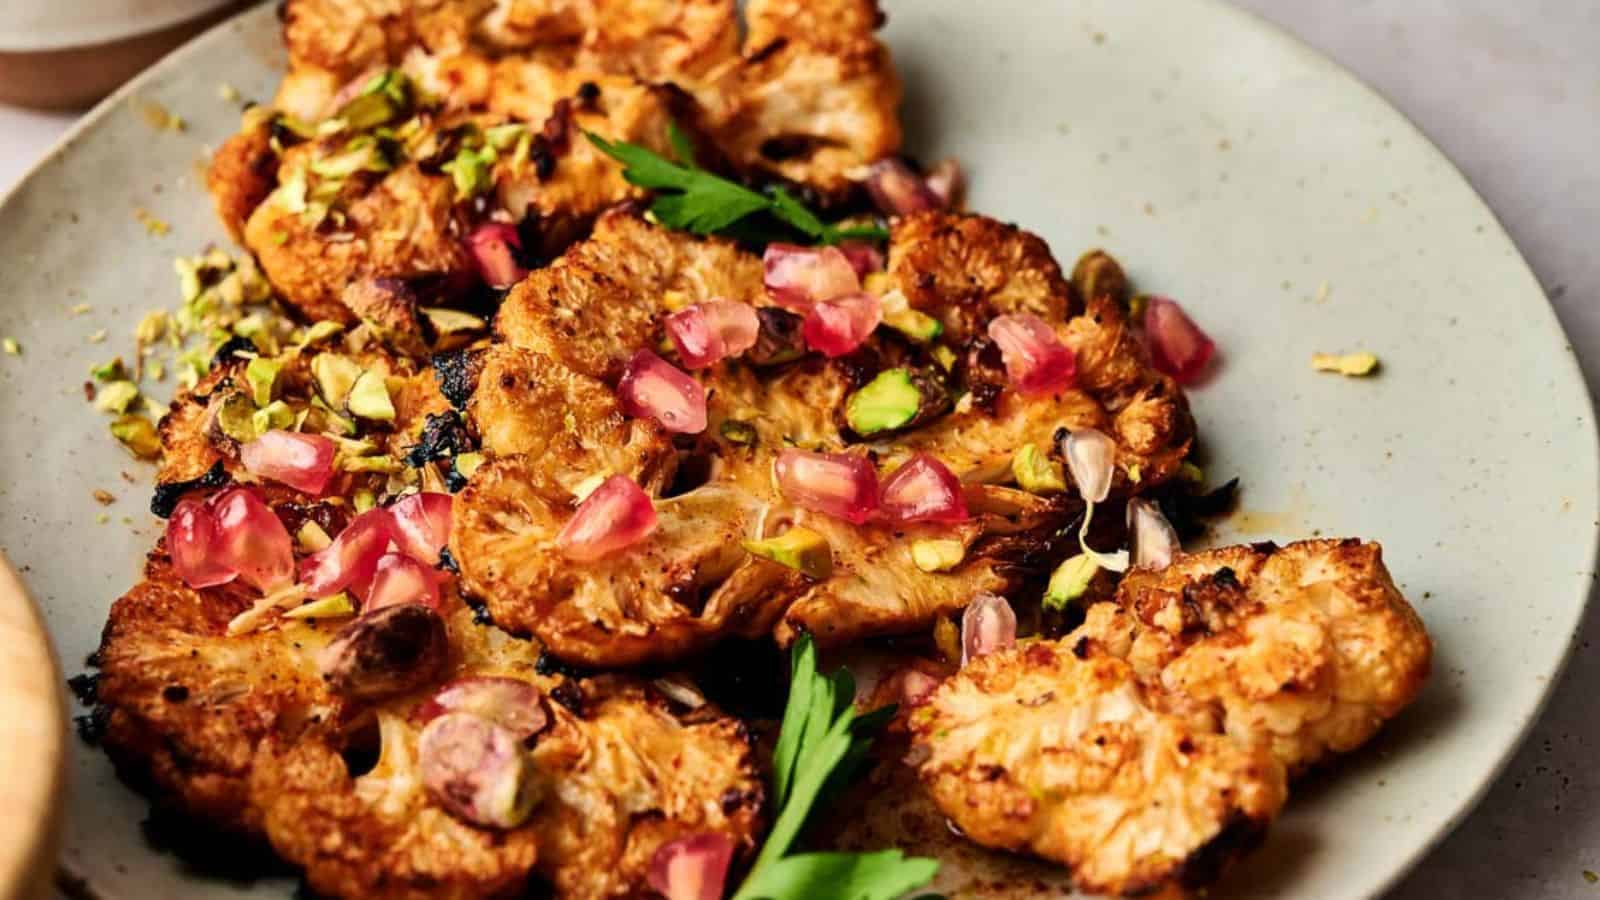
point(1285, 204)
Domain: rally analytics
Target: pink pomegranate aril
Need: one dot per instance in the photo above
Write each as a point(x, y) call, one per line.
point(397, 579)
point(707, 333)
point(1036, 360)
point(653, 388)
point(988, 625)
point(839, 326)
point(1177, 346)
point(252, 540)
point(349, 562)
point(898, 191)
point(511, 703)
point(797, 277)
point(836, 484)
point(195, 547)
point(692, 868)
point(421, 525)
point(864, 257)
point(301, 461)
point(947, 181)
point(494, 247)
point(615, 515)
point(923, 490)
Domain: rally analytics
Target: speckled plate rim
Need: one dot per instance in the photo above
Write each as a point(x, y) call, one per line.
point(1554, 667)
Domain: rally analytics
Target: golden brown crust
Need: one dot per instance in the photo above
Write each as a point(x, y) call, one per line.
point(241, 175)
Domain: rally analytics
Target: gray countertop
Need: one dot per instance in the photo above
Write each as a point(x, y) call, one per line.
point(1511, 92)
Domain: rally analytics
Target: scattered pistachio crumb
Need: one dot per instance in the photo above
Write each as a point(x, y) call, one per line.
point(116, 397)
point(1322, 292)
point(1192, 473)
point(102, 518)
point(1590, 876)
point(97, 337)
point(162, 118)
point(104, 497)
point(1353, 364)
point(228, 92)
point(11, 346)
point(152, 225)
point(78, 309)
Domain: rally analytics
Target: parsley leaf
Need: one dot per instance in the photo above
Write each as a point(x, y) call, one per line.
point(821, 746)
point(692, 199)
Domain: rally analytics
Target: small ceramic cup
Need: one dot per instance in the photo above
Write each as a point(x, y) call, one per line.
point(59, 54)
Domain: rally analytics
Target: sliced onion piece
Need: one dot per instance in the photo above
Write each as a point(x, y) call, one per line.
point(1036, 360)
point(838, 326)
point(252, 540)
point(1177, 346)
point(707, 333)
point(494, 247)
point(988, 625)
point(1155, 541)
point(302, 461)
point(796, 277)
point(841, 485)
point(923, 490)
point(421, 524)
point(508, 702)
point(692, 868)
point(195, 546)
point(864, 257)
point(349, 562)
point(477, 770)
point(947, 181)
point(615, 515)
point(898, 191)
point(653, 388)
point(398, 578)
point(1090, 455)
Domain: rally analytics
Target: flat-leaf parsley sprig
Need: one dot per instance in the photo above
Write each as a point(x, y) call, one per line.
point(821, 746)
point(692, 199)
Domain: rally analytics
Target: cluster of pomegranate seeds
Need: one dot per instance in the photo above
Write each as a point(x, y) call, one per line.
point(797, 277)
point(1177, 346)
point(692, 868)
point(707, 333)
point(511, 703)
point(838, 326)
point(898, 191)
point(494, 247)
point(421, 525)
point(653, 388)
point(417, 526)
point(616, 514)
point(1036, 360)
point(988, 625)
point(230, 535)
point(923, 490)
point(301, 461)
point(349, 562)
point(397, 579)
point(841, 485)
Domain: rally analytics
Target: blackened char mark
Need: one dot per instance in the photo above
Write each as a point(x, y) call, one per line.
point(167, 495)
point(457, 374)
point(231, 346)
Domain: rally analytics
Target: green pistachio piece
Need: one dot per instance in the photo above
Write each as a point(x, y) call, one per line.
point(261, 374)
point(468, 463)
point(276, 414)
point(737, 432)
point(236, 418)
point(369, 398)
point(799, 548)
point(1037, 473)
point(1070, 581)
point(453, 327)
point(945, 357)
point(335, 376)
point(363, 500)
point(937, 555)
point(111, 371)
point(312, 537)
point(913, 323)
point(331, 607)
point(886, 402)
point(116, 397)
point(320, 331)
point(1097, 275)
point(138, 435)
point(381, 464)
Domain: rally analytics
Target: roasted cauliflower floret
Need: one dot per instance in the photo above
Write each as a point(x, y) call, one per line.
point(1035, 749)
point(1305, 650)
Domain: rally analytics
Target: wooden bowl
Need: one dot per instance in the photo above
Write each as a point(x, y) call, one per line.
point(32, 743)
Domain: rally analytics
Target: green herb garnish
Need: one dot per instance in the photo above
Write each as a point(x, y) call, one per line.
point(823, 744)
point(693, 199)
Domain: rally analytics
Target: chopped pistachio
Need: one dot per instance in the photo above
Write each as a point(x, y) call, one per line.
point(362, 154)
point(228, 92)
point(138, 435)
point(335, 375)
point(1354, 365)
point(236, 418)
point(116, 397)
point(1097, 274)
point(276, 414)
point(452, 325)
point(737, 432)
point(1070, 581)
point(102, 518)
point(1188, 471)
point(1037, 473)
point(152, 225)
point(78, 309)
point(319, 332)
point(945, 357)
point(97, 337)
point(913, 323)
point(502, 136)
point(261, 374)
point(799, 548)
point(468, 463)
point(1135, 473)
point(312, 537)
point(328, 420)
point(151, 328)
point(879, 283)
point(937, 555)
point(947, 637)
point(11, 346)
point(369, 398)
point(887, 402)
point(584, 488)
point(381, 464)
point(469, 171)
point(157, 370)
point(1136, 307)
point(675, 301)
point(110, 371)
point(334, 606)
point(363, 500)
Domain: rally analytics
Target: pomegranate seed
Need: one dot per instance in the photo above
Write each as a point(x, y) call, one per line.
point(195, 547)
point(988, 625)
point(947, 181)
point(837, 484)
point(1155, 541)
point(692, 868)
point(864, 257)
point(923, 490)
point(1177, 346)
point(302, 461)
point(797, 277)
point(1036, 360)
point(836, 327)
point(898, 191)
point(615, 515)
point(398, 579)
point(1090, 454)
point(706, 333)
point(252, 540)
point(349, 562)
point(653, 388)
point(421, 524)
point(494, 247)
point(511, 703)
